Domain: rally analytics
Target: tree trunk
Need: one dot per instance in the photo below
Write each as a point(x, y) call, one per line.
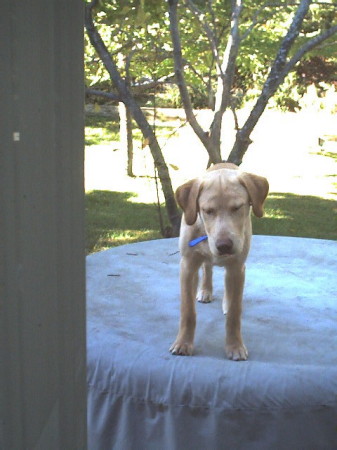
point(211, 139)
point(180, 79)
point(130, 103)
point(226, 73)
point(125, 131)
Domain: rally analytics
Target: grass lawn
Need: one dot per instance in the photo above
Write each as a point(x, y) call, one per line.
point(114, 220)
point(115, 217)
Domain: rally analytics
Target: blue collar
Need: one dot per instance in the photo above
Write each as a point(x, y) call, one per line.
point(197, 240)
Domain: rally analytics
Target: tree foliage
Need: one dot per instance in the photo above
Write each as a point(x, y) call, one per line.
point(124, 94)
point(134, 33)
point(138, 32)
point(218, 52)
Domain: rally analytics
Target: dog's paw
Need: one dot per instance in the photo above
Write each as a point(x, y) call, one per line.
point(236, 352)
point(181, 348)
point(204, 296)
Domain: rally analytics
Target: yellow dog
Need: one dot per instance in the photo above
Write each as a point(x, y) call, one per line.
point(216, 229)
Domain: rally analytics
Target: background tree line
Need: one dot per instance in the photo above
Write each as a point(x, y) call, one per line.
point(215, 54)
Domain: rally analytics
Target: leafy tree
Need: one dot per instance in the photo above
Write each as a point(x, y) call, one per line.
point(135, 33)
point(248, 27)
point(218, 50)
point(124, 94)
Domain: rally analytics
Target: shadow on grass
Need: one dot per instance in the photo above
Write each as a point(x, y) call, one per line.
point(113, 219)
point(298, 215)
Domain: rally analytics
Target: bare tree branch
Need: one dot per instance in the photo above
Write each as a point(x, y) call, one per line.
point(122, 47)
point(137, 89)
point(209, 32)
point(209, 6)
point(268, 5)
point(109, 95)
point(194, 70)
point(225, 74)
point(226, 77)
point(179, 73)
point(309, 45)
point(278, 71)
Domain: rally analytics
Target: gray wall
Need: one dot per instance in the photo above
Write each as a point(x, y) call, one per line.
point(42, 285)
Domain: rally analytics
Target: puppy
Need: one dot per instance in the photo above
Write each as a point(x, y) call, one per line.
point(216, 229)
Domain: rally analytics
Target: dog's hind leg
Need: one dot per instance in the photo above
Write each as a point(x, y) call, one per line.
point(205, 290)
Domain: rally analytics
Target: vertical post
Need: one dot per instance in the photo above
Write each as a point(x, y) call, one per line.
point(42, 261)
point(125, 133)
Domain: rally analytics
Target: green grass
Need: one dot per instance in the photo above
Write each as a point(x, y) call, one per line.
point(100, 130)
point(114, 218)
point(298, 215)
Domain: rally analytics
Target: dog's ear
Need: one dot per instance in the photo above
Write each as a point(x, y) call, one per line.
point(257, 188)
point(187, 198)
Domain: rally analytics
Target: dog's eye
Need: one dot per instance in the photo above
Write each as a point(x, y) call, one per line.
point(209, 211)
point(237, 208)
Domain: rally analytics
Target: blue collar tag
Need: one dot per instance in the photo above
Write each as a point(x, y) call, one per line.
point(197, 240)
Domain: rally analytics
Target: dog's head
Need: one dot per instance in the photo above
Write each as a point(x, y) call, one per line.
point(223, 198)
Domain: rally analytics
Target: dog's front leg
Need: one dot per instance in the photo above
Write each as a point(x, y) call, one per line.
point(235, 278)
point(183, 344)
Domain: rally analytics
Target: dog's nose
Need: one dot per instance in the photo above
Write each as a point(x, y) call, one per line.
point(224, 246)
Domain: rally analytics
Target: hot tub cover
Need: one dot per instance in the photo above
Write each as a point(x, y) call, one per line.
point(284, 397)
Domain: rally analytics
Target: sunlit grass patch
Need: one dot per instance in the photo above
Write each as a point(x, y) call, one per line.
point(113, 219)
point(275, 213)
point(117, 237)
point(103, 130)
point(100, 130)
point(289, 214)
